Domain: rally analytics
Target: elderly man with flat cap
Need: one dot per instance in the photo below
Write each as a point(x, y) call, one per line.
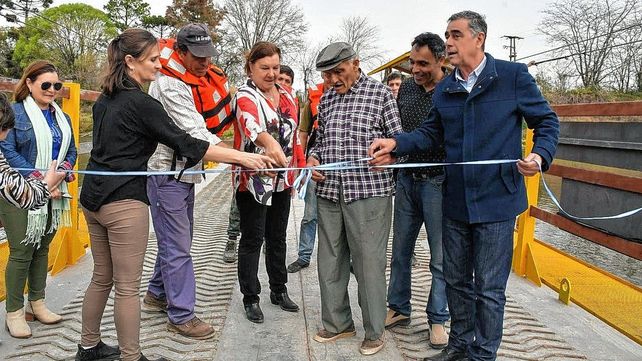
point(195, 95)
point(354, 205)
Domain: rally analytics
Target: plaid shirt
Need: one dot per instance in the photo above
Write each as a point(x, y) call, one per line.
point(348, 124)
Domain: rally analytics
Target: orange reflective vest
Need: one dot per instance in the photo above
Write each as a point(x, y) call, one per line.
point(314, 96)
point(211, 92)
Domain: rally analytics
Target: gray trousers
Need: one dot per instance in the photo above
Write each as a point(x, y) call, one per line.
point(359, 230)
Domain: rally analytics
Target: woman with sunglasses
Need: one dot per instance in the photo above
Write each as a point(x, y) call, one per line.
point(42, 133)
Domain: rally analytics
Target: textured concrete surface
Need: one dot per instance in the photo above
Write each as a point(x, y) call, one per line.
point(537, 326)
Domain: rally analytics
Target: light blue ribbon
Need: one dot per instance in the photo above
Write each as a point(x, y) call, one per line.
point(558, 205)
point(301, 182)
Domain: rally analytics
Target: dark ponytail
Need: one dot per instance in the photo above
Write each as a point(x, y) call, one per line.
point(134, 42)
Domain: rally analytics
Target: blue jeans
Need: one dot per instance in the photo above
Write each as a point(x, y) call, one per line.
point(417, 202)
point(308, 230)
point(172, 208)
point(477, 261)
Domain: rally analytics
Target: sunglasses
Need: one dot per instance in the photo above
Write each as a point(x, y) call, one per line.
point(46, 85)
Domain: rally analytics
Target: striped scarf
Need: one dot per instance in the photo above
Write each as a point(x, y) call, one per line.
point(60, 209)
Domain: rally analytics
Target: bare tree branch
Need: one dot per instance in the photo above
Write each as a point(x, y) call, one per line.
point(364, 38)
point(590, 29)
point(277, 21)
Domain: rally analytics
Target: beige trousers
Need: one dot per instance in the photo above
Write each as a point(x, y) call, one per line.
point(119, 232)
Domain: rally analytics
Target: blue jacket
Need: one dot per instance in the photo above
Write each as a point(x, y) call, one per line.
point(20, 146)
point(485, 124)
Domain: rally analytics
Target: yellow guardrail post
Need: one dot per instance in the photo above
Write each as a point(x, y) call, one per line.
point(69, 243)
point(565, 291)
point(523, 261)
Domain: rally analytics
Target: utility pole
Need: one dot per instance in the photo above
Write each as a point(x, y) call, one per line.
point(512, 46)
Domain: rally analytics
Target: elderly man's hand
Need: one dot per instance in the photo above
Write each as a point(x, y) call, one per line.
point(380, 151)
point(316, 175)
point(530, 165)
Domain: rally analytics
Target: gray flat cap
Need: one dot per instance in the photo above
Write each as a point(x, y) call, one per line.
point(333, 54)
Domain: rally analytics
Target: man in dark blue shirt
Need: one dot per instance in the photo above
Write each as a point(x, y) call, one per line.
point(418, 197)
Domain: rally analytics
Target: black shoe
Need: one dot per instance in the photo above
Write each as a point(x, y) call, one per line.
point(283, 300)
point(448, 354)
point(143, 358)
point(253, 312)
point(98, 352)
point(296, 266)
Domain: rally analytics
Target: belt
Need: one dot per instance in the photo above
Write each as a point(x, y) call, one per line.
point(420, 176)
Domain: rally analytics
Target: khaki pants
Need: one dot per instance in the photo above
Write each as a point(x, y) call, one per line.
point(359, 230)
point(119, 232)
point(26, 263)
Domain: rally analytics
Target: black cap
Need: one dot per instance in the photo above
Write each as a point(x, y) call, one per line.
point(197, 39)
point(333, 54)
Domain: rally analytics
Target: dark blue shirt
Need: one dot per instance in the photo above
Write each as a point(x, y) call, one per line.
point(56, 133)
point(414, 106)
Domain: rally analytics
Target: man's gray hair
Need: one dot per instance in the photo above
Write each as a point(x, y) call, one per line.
point(476, 21)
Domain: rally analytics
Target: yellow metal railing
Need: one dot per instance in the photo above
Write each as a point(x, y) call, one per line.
point(608, 297)
point(523, 262)
point(69, 244)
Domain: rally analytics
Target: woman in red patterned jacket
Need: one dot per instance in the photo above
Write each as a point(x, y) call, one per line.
point(266, 116)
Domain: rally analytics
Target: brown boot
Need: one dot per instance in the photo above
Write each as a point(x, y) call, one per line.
point(194, 328)
point(17, 325)
point(324, 335)
point(438, 336)
point(37, 310)
point(152, 303)
point(371, 347)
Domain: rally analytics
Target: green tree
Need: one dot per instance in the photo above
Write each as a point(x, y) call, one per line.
point(127, 13)
point(8, 67)
point(73, 36)
point(158, 25)
point(182, 12)
point(22, 10)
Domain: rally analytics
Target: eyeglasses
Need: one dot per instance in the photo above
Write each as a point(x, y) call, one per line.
point(46, 85)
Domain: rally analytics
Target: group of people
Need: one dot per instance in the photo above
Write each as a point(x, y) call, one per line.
point(473, 112)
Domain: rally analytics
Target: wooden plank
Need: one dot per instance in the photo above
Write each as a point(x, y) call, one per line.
point(89, 95)
point(622, 182)
point(8, 85)
point(624, 246)
point(632, 108)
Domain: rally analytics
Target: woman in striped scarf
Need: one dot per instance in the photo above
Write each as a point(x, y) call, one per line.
point(42, 133)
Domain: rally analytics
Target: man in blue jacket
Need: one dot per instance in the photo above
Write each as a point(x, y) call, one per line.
point(477, 113)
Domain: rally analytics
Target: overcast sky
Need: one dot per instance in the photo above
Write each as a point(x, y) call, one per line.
point(400, 20)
